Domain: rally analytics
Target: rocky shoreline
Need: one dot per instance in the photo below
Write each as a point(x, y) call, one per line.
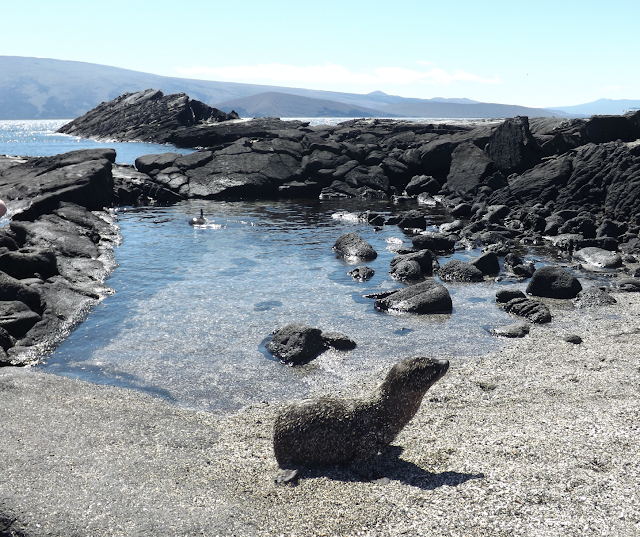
point(573, 185)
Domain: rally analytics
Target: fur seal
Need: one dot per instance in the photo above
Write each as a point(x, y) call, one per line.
point(198, 220)
point(331, 431)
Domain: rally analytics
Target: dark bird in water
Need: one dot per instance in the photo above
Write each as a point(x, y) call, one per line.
point(197, 220)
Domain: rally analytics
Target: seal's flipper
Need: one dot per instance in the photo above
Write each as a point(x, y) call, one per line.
point(287, 475)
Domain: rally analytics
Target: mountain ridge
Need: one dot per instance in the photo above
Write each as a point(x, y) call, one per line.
point(43, 88)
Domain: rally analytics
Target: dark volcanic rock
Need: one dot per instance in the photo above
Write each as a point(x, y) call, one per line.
point(487, 263)
point(597, 257)
point(404, 265)
point(338, 341)
point(221, 134)
point(406, 270)
point(37, 186)
point(243, 170)
point(512, 147)
point(12, 289)
point(594, 296)
point(534, 311)
point(423, 298)
point(351, 245)
point(436, 242)
point(629, 285)
point(422, 183)
point(16, 318)
point(469, 167)
point(296, 343)
point(361, 273)
point(459, 271)
point(505, 295)
point(554, 282)
point(146, 116)
point(29, 263)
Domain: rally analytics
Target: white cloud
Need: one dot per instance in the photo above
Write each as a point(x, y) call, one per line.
point(329, 73)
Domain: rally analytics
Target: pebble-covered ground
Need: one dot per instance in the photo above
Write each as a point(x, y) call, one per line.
point(541, 438)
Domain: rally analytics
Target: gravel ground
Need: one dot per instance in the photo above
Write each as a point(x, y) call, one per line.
point(541, 438)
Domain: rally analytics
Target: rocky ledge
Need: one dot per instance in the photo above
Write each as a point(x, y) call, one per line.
point(56, 251)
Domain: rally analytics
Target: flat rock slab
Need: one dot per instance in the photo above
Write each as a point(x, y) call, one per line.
point(38, 185)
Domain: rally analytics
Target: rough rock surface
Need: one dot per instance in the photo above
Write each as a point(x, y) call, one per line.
point(515, 330)
point(35, 186)
point(361, 273)
point(598, 257)
point(534, 311)
point(353, 246)
point(146, 116)
point(459, 271)
point(425, 297)
point(554, 282)
point(55, 252)
point(296, 343)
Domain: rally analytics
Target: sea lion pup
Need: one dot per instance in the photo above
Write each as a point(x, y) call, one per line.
point(198, 220)
point(331, 431)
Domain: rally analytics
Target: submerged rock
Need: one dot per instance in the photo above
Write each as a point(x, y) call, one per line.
point(515, 330)
point(361, 273)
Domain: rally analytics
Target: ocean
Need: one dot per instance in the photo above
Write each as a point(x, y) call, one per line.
point(193, 307)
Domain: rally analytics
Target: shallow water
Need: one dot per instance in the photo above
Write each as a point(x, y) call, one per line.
point(193, 306)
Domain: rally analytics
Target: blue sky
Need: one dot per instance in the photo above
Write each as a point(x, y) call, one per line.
point(542, 53)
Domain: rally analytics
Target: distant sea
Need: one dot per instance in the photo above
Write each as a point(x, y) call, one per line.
point(195, 306)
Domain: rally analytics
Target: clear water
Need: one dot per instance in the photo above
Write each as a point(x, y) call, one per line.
point(38, 138)
point(194, 307)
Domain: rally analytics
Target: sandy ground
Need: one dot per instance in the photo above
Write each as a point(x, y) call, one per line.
point(540, 438)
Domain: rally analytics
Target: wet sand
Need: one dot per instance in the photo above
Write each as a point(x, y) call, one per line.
point(539, 438)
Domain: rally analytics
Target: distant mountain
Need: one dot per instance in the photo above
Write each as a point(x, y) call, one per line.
point(601, 107)
point(455, 110)
point(277, 104)
point(37, 88)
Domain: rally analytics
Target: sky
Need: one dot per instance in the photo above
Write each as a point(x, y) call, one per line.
point(538, 54)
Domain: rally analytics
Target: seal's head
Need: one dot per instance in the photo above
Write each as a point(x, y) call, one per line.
point(416, 374)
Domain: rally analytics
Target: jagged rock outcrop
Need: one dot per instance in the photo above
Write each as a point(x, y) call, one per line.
point(145, 116)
